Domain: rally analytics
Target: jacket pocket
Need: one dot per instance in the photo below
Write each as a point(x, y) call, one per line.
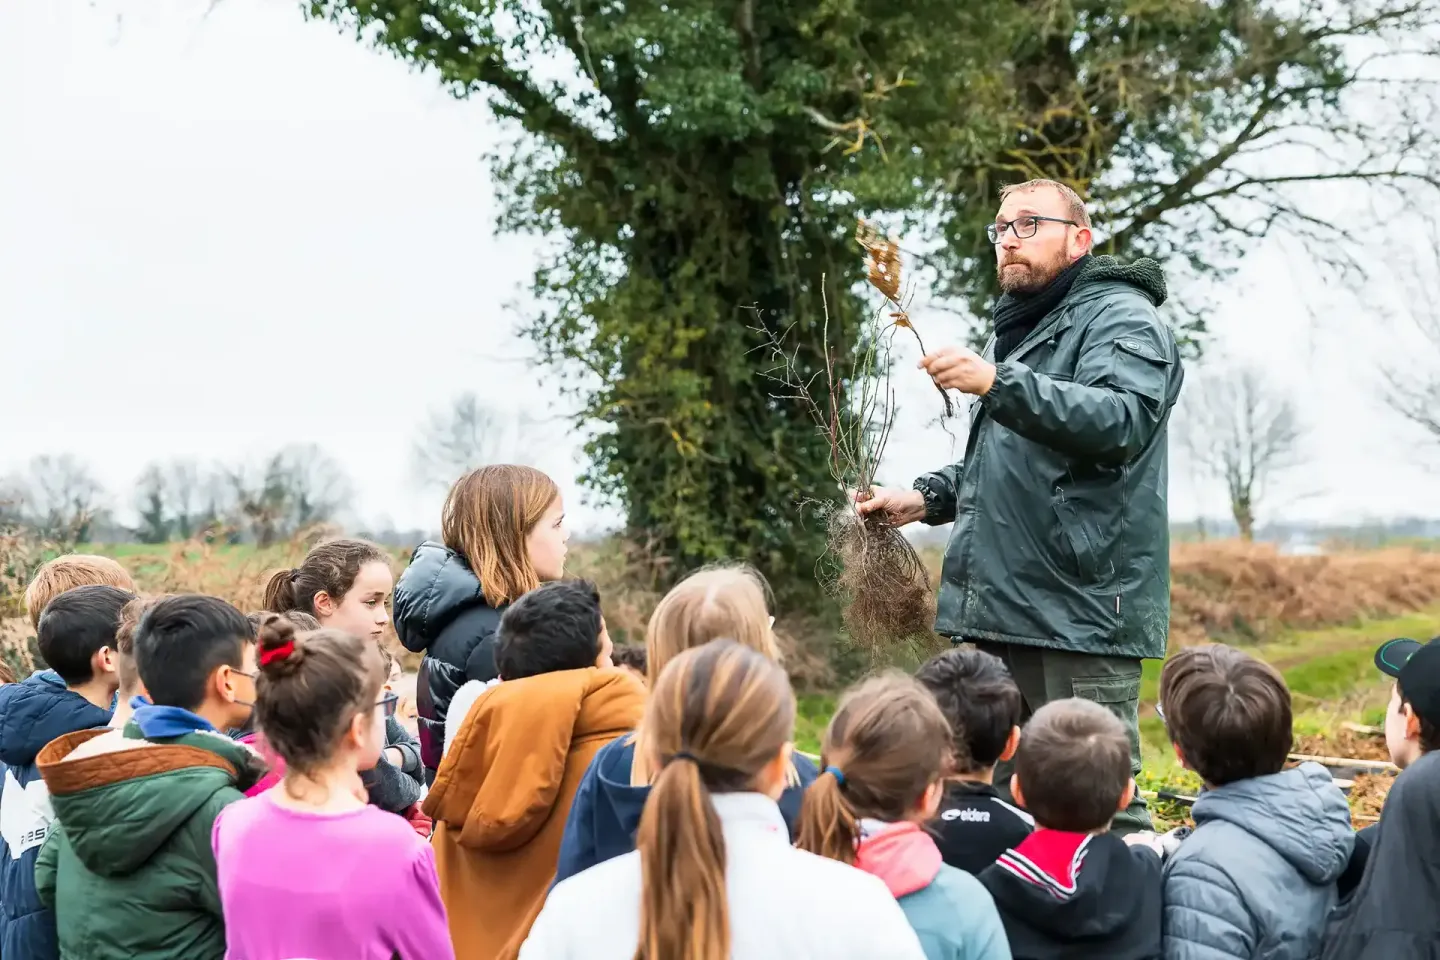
point(1074, 539)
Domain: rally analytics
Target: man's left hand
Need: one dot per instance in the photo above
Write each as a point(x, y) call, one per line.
point(960, 368)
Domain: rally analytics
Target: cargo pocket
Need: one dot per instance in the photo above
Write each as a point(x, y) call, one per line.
point(1121, 696)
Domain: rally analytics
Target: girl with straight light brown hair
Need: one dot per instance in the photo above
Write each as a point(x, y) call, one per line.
point(504, 534)
point(732, 602)
point(885, 757)
point(713, 876)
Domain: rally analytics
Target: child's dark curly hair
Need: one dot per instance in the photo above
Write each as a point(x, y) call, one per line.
point(630, 655)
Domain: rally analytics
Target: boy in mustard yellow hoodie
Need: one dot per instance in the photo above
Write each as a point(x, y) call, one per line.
point(504, 788)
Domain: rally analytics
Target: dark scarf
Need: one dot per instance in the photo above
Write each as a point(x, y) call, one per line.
point(1016, 315)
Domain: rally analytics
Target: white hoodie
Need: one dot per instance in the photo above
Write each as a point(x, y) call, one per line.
point(470, 691)
point(783, 902)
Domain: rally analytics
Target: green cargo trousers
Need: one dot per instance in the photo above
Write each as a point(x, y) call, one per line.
point(1113, 682)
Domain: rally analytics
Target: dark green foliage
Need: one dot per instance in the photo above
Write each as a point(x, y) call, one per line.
point(687, 173)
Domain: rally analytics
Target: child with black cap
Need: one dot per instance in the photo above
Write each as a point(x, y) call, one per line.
point(1412, 724)
point(1392, 912)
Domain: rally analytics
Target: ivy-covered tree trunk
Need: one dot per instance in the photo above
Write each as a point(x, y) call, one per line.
point(701, 172)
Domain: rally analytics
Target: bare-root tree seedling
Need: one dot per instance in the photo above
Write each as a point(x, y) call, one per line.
point(870, 567)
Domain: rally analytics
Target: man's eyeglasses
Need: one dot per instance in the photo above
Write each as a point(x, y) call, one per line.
point(389, 703)
point(1023, 227)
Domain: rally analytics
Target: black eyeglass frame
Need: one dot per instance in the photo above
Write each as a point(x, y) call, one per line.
point(997, 230)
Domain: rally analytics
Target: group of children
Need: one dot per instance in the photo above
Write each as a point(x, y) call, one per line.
point(184, 781)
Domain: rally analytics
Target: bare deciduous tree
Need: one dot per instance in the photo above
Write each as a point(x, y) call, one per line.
point(1237, 428)
point(471, 432)
point(297, 488)
point(170, 499)
point(57, 497)
point(1412, 377)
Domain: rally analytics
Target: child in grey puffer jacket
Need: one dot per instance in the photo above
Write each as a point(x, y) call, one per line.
point(1257, 877)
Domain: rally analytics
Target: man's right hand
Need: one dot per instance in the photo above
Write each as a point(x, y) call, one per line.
point(899, 506)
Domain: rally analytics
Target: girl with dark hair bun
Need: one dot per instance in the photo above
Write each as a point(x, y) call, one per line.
point(310, 868)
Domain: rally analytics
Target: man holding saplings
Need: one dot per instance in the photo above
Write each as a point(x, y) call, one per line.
point(1059, 560)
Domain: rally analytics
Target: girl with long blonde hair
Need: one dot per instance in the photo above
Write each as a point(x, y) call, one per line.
point(503, 532)
point(730, 602)
point(713, 875)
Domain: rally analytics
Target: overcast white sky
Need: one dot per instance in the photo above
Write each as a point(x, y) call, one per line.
point(222, 234)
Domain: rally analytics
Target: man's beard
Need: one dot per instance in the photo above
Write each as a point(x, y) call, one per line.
point(1030, 280)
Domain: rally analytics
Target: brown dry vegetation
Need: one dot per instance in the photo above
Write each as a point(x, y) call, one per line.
point(1249, 591)
point(1220, 590)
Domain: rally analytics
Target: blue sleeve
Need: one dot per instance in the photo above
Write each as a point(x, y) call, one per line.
point(577, 844)
point(794, 796)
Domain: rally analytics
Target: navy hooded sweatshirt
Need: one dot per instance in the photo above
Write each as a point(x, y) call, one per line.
point(606, 811)
point(32, 713)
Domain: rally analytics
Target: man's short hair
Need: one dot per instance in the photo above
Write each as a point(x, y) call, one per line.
point(1074, 765)
point(182, 640)
point(76, 625)
point(979, 698)
point(1074, 206)
point(68, 572)
point(1228, 712)
point(553, 627)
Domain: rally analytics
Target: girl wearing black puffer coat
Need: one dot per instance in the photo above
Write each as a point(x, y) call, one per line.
point(504, 534)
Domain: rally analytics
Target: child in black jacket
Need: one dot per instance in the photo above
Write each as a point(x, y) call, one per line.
point(1072, 889)
point(975, 824)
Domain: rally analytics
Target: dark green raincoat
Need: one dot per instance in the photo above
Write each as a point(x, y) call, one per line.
point(1061, 535)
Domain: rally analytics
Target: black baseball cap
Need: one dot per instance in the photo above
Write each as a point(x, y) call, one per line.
point(1416, 666)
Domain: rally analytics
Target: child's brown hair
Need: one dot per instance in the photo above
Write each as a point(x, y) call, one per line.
point(716, 718)
point(302, 621)
point(1228, 712)
point(312, 685)
point(886, 745)
point(68, 572)
point(1073, 765)
point(486, 518)
point(130, 616)
point(329, 568)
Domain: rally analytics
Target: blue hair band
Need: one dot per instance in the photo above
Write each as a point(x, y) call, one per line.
point(835, 772)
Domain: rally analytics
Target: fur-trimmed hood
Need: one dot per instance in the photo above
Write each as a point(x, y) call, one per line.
point(121, 797)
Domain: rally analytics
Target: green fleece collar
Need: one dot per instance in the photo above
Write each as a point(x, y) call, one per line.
point(1144, 274)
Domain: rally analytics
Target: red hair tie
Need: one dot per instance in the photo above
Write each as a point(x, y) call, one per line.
point(281, 652)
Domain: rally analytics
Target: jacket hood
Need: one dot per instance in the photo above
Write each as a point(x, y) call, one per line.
point(121, 797)
point(1299, 813)
point(901, 854)
point(1144, 274)
point(436, 588)
point(37, 710)
point(618, 801)
point(500, 779)
point(1072, 886)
